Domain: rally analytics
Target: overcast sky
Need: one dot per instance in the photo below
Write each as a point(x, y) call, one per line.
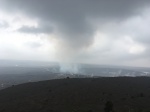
point(114, 32)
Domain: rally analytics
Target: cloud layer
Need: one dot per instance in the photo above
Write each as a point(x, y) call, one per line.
point(97, 31)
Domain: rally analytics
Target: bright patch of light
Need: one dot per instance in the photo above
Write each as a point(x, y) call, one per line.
point(100, 41)
point(132, 46)
point(136, 49)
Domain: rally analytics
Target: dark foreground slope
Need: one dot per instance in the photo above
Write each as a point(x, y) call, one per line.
point(78, 95)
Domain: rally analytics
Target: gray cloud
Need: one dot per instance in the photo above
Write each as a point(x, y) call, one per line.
point(76, 21)
point(34, 30)
point(71, 17)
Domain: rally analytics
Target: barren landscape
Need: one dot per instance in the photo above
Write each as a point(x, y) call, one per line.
point(78, 95)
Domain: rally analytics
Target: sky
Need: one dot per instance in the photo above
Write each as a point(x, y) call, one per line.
point(107, 32)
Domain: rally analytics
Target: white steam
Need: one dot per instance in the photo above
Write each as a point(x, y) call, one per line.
point(70, 68)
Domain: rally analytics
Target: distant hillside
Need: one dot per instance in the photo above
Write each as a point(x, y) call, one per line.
point(78, 95)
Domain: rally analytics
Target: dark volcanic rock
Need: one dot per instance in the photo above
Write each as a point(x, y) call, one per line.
point(78, 95)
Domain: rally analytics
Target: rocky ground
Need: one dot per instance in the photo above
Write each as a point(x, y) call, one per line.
point(127, 94)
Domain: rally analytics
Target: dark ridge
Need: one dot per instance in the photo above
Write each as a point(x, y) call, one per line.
point(118, 94)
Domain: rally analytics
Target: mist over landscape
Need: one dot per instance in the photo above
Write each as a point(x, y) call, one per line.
point(14, 72)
